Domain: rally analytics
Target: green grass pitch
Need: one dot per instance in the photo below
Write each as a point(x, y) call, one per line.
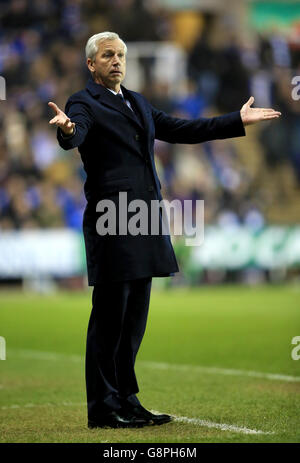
point(236, 330)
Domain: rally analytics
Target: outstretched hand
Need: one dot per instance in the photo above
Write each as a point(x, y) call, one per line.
point(61, 120)
point(252, 115)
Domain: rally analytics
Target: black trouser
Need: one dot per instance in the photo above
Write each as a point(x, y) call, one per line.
point(116, 328)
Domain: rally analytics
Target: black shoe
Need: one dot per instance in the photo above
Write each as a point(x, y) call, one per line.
point(119, 419)
point(140, 412)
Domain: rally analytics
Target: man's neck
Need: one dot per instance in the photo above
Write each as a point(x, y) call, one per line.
point(115, 88)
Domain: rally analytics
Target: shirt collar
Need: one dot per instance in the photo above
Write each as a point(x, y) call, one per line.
point(115, 93)
point(98, 89)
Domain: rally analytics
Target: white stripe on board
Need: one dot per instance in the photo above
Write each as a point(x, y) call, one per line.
point(41, 355)
point(179, 419)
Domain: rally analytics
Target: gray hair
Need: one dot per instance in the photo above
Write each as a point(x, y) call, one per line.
point(92, 45)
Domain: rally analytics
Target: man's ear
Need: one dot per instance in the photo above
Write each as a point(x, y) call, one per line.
point(90, 65)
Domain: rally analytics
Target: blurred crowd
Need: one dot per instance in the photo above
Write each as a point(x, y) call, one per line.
point(42, 59)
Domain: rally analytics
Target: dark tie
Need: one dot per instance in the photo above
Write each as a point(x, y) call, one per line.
point(120, 95)
point(135, 112)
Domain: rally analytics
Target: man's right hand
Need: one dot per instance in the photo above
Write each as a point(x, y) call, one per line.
point(61, 120)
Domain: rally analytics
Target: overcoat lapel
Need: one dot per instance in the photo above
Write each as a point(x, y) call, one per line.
point(109, 99)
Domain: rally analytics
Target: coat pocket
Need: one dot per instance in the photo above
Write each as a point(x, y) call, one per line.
point(114, 186)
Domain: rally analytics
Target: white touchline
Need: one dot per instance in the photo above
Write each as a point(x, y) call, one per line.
point(42, 355)
point(179, 419)
point(220, 371)
point(46, 404)
point(221, 426)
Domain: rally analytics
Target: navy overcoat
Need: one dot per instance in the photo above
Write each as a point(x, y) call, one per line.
point(116, 145)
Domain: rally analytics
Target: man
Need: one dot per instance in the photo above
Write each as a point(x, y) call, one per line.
point(114, 130)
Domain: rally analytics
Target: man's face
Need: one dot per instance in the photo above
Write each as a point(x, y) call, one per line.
point(109, 65)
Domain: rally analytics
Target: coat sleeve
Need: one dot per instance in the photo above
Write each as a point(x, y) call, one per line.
point(174, 130)
point(78, 112)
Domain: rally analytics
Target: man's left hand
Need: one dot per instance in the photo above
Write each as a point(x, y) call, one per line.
point(252, 115)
